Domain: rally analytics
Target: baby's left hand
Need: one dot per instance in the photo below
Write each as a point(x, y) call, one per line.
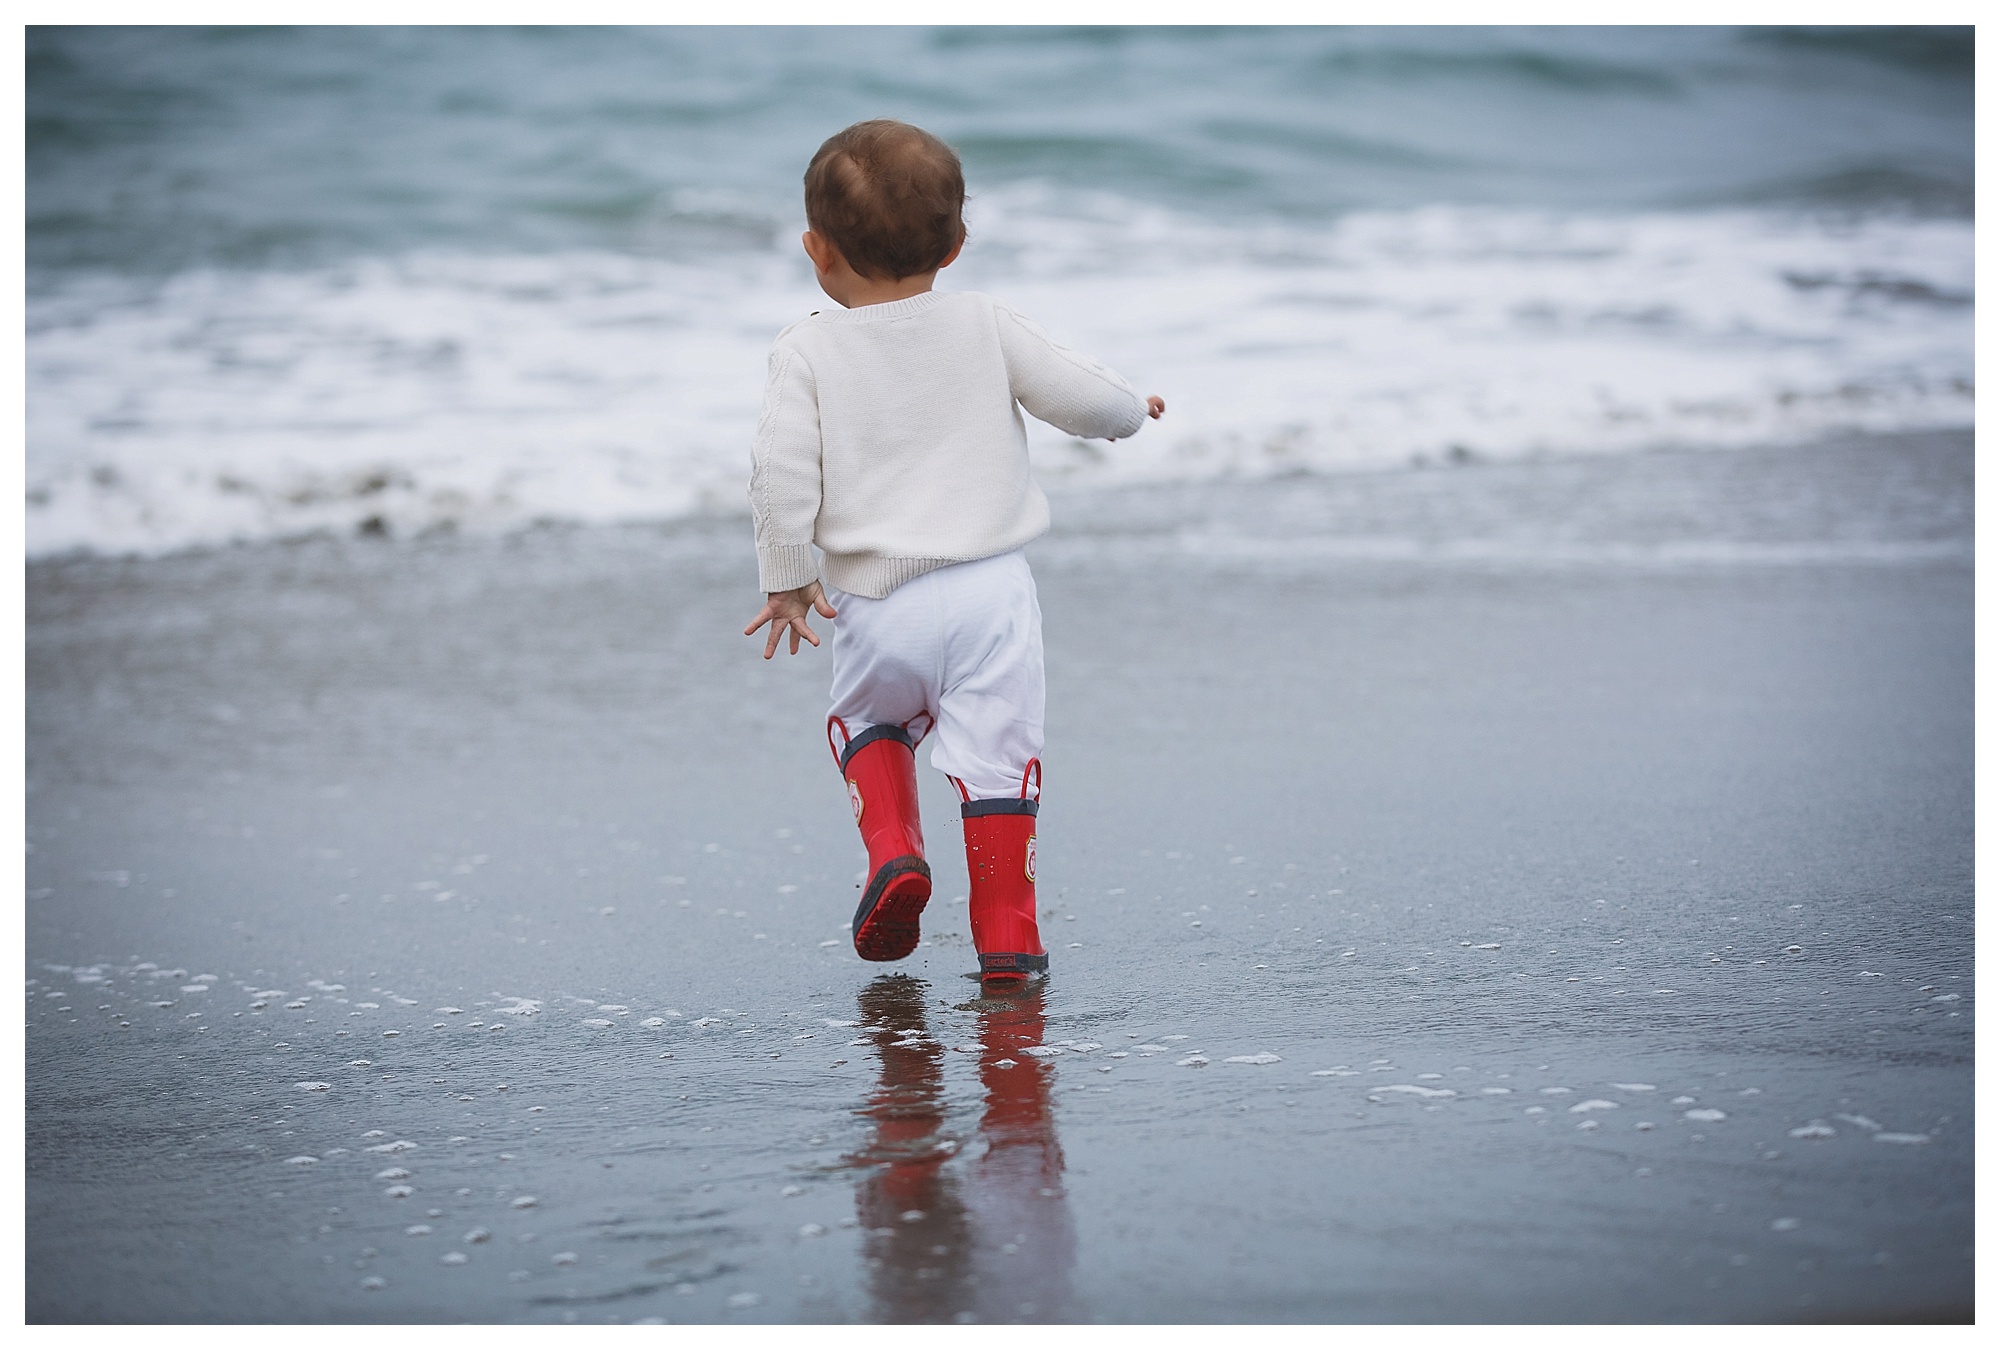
point(1155, 405)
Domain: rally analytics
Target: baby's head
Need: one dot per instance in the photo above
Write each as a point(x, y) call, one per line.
point(889, 196)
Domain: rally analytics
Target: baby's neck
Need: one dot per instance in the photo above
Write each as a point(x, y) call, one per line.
point(858, 290)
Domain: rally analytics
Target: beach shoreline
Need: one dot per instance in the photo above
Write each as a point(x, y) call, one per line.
point(1503, 804)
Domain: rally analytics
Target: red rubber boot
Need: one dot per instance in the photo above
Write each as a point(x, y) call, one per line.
point(880, 766)
point(1000, 855)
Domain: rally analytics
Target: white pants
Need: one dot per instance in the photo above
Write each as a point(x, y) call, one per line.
point(962, 643)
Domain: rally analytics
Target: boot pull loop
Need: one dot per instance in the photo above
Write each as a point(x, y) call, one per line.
point(959, 783)
point(930, 725)
point(1035, 768)
point(831, 723)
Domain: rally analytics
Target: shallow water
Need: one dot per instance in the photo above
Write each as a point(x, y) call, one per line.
point(1610, 926)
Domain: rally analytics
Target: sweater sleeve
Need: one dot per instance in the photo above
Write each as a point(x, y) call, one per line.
point(785, 475)
point(1064, 388)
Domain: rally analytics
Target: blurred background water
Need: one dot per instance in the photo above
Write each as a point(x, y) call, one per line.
point(400, 280)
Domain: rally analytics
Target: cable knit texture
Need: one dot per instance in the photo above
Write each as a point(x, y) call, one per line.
point(892, 438)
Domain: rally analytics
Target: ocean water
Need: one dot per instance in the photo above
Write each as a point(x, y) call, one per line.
point(394, 281)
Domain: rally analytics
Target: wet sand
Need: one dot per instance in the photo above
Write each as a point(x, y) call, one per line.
point(1499, 893)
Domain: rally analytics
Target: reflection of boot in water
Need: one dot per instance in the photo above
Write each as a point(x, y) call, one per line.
point(1014, 1192)
point(917, 1247)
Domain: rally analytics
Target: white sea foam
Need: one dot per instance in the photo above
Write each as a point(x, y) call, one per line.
point(484, 392)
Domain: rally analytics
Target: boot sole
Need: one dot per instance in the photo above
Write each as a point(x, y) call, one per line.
point(886, 923)
point(998, 967)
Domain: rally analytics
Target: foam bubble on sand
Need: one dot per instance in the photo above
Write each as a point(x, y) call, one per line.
point(1817, 1130)
point(400, 1191)
point(1173, 1038)
point(449, 1012)
point(359, 1063)
point(811, 1230)
point(312, 1087)
point(1414, 1090)
point(1893, 1138)
point(1150, 1049)
point(745, 1300)
point(1496, 1092)
point(654, 1022)
point(597, 1021)
point(613, 1008)
point(524, 1202)
point(1003, 1064)
point(1586, 1124)
point(1557, 1091)
point(1705, 1115)
point(1633, 1087)
point(374, 1282)
point(393, 1174)
point(1682, 1101)
point(563, 1259)
point(1038, 1051)
point(1594, 1104)
point(1860, 1122)
point(418, 1230)
point(520, 1007)
point(1263, 1057)
point(1197, 1060)
point(393, 1146)
point(478, 1235)
point(303, 1160)
point(1335, 1073)
point(453, 1259)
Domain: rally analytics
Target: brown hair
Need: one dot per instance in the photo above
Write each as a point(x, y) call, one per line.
point(889, 196)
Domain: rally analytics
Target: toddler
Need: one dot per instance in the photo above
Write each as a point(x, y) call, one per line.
point(892, 439)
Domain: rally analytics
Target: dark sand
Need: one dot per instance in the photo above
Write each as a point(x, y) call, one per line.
point(1644, 783)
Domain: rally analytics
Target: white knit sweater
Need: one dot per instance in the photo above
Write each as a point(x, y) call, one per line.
point(892, 438)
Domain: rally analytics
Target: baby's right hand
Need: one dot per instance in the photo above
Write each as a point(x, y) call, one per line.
point(786, 611)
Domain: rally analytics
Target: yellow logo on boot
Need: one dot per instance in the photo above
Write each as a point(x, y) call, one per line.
point(854, 799)
point(1030, 869)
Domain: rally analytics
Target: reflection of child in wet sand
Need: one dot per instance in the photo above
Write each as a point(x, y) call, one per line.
point(892, 439)
point(988, 1240)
